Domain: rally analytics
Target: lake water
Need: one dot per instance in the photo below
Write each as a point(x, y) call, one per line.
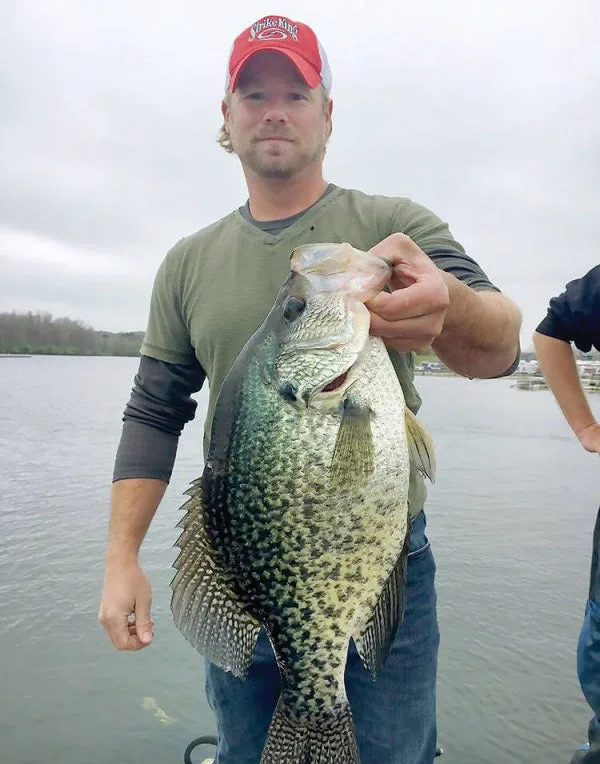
point(510, 519)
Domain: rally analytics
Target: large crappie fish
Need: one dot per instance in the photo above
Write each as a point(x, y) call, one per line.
point(299, 523)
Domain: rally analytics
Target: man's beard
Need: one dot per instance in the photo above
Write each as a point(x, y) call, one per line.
point(280, 167)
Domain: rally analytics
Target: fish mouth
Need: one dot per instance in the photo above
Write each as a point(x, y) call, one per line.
point(317, 396)
point(336, 383)
point(344, 381)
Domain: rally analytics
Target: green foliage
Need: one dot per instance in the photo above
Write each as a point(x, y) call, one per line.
point(41, 334)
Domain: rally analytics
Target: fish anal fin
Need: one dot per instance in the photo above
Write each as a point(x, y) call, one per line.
point(420, 446)
point(374, 643)
point(204, 608)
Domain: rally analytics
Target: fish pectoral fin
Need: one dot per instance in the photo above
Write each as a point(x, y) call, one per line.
point(353, 459)
point(374, 643)
point(420, 446)
point(204, 608)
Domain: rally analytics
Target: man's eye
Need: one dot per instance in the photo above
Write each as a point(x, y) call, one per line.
point(297, 96)
point(255, 96)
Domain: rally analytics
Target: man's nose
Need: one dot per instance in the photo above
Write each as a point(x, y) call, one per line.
point(275, 114)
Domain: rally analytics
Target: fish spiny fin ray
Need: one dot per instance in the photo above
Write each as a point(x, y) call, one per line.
point(204, 608)
point(326, 741)
point(374, 643)
point(420, 446)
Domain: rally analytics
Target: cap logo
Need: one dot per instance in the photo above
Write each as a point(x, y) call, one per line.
point(273, 29)
point(272, 34)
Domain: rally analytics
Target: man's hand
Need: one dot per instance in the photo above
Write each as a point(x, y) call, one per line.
point(412, 316)
point(589, 438)
point(125, 606)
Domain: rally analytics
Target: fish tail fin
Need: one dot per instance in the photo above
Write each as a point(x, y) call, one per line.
point(328, 740)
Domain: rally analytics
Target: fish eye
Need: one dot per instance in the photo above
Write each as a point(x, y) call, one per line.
point(294, 307)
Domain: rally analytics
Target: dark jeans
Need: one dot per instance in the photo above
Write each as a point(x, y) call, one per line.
point(394, 717)
point(588, 658)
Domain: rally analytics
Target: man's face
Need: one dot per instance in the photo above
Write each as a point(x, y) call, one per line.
point(277, 125)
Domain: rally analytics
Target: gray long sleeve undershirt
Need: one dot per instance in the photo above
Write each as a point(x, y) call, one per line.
point(158, 409)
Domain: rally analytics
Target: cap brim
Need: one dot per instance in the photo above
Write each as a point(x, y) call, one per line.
point(307, 72)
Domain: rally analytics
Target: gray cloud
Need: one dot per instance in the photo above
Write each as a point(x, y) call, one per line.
point(485, 112)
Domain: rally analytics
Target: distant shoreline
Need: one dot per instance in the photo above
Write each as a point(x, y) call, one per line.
point(421, 373)
point(28, 334)
point(69, 355)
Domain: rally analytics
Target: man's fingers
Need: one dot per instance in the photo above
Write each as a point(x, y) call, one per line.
point(118, 629)
point(411, 329)
point(132, 643)
point(411, 302)
point(124, 631)
point(143, 621)
point(125, 607)
point(408, 346)
point(131, 640)
point(398, 249)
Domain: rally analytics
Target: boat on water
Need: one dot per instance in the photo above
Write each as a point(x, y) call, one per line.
point(205, 740)
point(589, 384)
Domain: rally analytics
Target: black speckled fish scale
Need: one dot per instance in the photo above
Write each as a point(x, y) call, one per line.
point(308, 558)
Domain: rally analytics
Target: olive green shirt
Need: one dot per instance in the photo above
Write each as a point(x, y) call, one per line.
point(215, 287)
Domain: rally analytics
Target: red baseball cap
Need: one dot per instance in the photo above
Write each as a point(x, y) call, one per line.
point(295, 40)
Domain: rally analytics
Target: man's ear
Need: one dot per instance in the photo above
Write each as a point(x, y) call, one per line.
point(225, 108)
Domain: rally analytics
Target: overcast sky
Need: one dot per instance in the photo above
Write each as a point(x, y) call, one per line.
point(487, 112)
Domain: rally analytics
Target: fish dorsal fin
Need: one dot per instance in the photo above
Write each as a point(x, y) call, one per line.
point(420, 446)
point(374, 643)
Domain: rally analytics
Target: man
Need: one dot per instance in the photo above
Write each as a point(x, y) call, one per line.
point(573, 318)
point(214, 289)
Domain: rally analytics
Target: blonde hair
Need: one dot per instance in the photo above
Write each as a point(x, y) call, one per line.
point(224, 139)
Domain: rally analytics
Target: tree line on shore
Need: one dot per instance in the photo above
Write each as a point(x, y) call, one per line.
point(39, 333)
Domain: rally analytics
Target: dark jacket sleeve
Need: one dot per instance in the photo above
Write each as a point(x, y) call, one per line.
point(160, 405)
point(467, 270)
point(574, 315)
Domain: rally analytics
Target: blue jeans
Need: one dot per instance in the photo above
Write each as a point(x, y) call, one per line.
point(394, 717)
point(588, 657)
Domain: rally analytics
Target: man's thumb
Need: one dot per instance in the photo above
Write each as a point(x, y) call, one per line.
point(143, 622)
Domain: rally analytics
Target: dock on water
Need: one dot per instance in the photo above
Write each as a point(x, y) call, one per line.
point(531, 383)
